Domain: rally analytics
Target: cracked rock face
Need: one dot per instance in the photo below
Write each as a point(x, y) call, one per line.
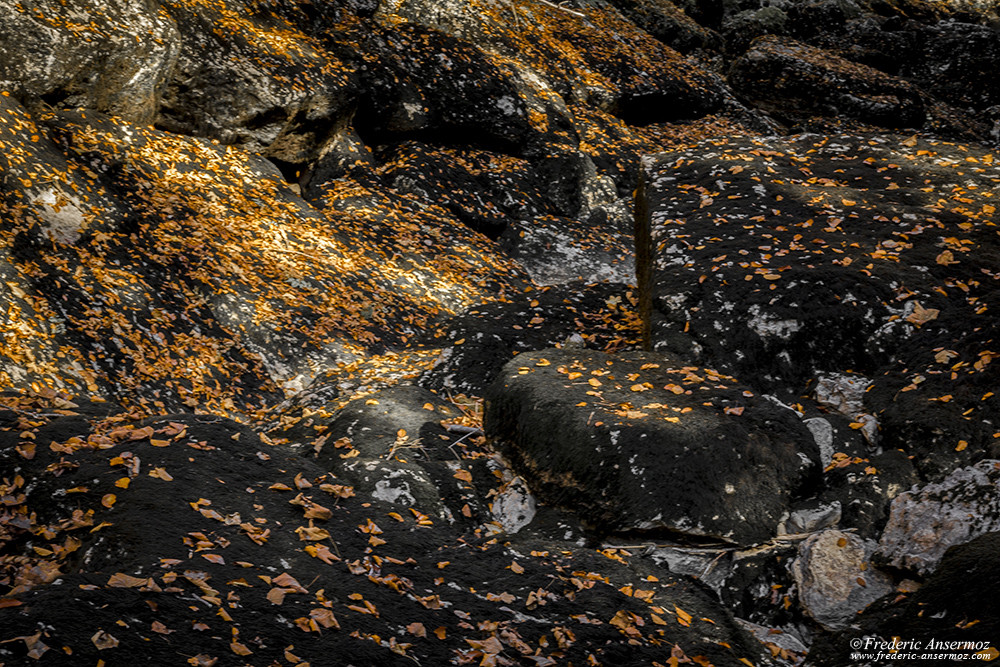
point(835, 577)
point(112, 55)
point(924, 522)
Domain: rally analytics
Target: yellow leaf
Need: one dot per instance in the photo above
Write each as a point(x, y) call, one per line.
point(123, 482)
point(962, 444)
point(946, 258)
point(109, 500)
point(516, 568)
point(240, 649)
point(683, 617)
point(160, 473)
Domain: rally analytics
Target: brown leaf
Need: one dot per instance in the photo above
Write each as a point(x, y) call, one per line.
point(240, 649)
point(921, 315)
point(160, 628)
point(119, 580)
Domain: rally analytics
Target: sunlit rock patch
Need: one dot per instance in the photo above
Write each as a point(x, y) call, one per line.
point(200, 254)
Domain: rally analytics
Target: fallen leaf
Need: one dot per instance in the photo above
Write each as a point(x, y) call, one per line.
point(102, 640)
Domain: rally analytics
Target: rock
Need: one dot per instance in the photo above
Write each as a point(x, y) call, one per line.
point(514, 507)
point(843, 393)
point(741, 29)
point(281, 97)
point(783, 646)
point(113, 56)
point(953, 63)
point(394, 482)
point(405, 420)
point(863, 488)
point(759, 588)
point(955, 608)
point(476, 344)
point(591, 54)
point(812, 516)
point(668, 23)
point(133, 531)
point(487, 191)
point(623, 442)
point(739, 255)
point(786, 77)
point(145, 217)
point(925, 521)
point(557, 251)
point(835, 577)
point(437, 82)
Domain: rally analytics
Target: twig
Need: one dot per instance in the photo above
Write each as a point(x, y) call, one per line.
point(565, 9)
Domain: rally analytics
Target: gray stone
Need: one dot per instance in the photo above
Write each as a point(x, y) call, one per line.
point(116, 60)
point(835, 577)
point(404, 484)
point(924, 522)
point(514, 507)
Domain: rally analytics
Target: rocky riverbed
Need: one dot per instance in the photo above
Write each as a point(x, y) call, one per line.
point(499, 332)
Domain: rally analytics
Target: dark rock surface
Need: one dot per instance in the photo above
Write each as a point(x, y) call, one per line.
point(262, 260)
point(642, 443)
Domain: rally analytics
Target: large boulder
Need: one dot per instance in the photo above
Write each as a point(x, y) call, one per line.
point(246, 273)
point(786, 259)
point(250, 76)
point(955, 61)
point(789, 78)
point(643, 443)
point(115, 55)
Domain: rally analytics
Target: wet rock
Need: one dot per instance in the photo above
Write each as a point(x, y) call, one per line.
point(112, 56)
point(925, 521)
point(835, 577)
point(783, 76)
point(641, 442)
